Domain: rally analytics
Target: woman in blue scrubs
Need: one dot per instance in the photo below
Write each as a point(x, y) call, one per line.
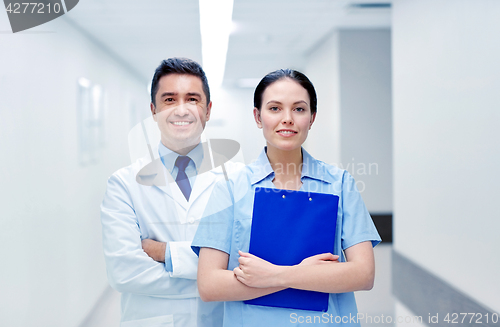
point(285, 109)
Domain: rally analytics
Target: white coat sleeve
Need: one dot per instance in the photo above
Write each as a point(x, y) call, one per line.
point(184, 260)
point(129, 268)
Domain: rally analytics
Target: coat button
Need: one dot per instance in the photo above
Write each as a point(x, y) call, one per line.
point(191, 220)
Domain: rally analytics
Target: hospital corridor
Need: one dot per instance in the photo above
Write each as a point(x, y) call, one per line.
point(408, 104)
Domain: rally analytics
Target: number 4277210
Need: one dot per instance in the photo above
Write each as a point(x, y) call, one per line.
point(478, 318)
point(33, 8)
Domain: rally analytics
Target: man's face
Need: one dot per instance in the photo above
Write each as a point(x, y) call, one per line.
point(181, 111)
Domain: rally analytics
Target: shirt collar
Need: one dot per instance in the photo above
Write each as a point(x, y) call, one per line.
point(168, 157)
point(261, 167)
point(311, 168)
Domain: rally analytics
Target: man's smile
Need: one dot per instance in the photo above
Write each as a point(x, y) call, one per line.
point(181, 123)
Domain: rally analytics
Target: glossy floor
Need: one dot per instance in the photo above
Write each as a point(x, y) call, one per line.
point(375, 305)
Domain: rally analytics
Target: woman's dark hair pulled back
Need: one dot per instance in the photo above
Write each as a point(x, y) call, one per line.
point(281, 74)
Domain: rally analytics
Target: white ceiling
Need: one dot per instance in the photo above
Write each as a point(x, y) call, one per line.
point(267, 34)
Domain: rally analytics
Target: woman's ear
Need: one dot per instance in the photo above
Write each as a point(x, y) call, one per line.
point(313, 117)
point(256, 115)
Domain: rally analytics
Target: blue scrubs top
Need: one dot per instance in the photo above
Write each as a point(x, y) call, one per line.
point(226, 227)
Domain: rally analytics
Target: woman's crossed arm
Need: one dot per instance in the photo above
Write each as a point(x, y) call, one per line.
point(255, 277)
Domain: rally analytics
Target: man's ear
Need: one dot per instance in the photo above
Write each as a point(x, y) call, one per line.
point(256, 115)
point(209, 110)
point(313, 118)
point(153, 111)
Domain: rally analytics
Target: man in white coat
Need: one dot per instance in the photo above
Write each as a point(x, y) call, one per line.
point(151, 208)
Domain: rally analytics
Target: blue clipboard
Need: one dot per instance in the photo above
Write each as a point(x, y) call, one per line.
point(287, 227)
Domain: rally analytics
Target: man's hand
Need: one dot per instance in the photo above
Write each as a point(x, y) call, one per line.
point(154, 249)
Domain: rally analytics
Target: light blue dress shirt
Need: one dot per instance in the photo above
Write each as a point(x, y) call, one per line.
point(168, 158)
point(226, 227)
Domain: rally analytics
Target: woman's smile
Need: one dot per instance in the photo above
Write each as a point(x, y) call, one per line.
point(287, 132)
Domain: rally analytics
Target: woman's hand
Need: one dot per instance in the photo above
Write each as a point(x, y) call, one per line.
point(256, 272)
point(259, 273)
point(319, 259)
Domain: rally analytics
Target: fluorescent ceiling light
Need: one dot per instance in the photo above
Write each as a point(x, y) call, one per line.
point(215, 26)
point(83, 82)
point(248, 82)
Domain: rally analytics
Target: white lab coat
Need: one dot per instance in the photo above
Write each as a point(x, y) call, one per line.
point(130, 212)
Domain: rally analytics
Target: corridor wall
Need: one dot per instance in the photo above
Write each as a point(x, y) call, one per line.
point(50, 242)
point(446, 77)
point(351, 70)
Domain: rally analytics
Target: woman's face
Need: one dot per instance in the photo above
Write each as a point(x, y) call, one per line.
point(285, 116)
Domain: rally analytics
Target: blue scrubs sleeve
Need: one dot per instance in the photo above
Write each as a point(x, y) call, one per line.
point(216, 226)
point(357, 224)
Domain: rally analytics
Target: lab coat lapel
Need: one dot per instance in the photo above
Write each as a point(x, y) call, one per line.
point(205, 178)
point(202, 183)
point(155, 174)
point(176, 192)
